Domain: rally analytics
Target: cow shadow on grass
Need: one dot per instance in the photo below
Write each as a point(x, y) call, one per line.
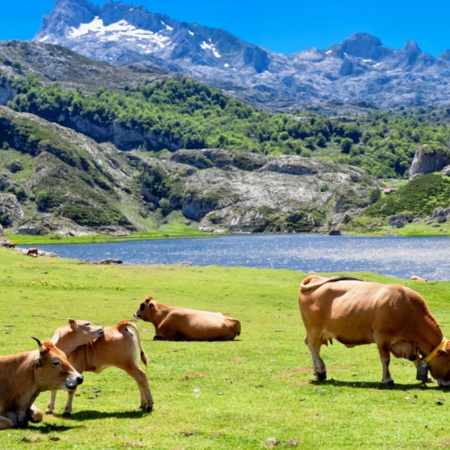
point(93, 415)
point(379, 385)
point(51, 428)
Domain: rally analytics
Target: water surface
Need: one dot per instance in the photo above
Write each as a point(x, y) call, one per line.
point(402, 257)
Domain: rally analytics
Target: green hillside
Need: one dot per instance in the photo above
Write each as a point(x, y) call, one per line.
point(173, 114)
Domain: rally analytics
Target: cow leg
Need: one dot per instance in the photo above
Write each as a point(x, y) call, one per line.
point(51, 403)
point(139, 376)
point(385, 357)
point(5, 423)
point(320, 371)
point(68, 408)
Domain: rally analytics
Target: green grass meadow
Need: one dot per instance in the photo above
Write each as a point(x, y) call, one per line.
point(257, 392)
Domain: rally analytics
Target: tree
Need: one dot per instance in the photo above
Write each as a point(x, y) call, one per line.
point(346, 145)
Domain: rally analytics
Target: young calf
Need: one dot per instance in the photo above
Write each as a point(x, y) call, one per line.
point(23, 376)
point(92, 349)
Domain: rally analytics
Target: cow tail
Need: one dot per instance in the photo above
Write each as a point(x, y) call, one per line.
point(143, 355)
point(316, 281)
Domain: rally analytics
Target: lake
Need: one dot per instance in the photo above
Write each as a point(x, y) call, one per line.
point(402, 257)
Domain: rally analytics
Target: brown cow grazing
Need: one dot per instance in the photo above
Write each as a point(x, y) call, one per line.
point(93, 349)
point(33, 252)
point(182, 324)
point(355, 312)
point(12, 245)
point(23, 376)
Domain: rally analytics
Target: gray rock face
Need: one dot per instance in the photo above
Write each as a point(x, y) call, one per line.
point(10, 209)
point(283, 194)
point(78, 186)
point(360, 68)
point(428, 160)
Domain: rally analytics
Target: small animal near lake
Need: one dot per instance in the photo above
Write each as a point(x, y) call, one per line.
point(24, 375)
point(92, 348)
point(183, 324)
point(33, 252)
point(355, 312)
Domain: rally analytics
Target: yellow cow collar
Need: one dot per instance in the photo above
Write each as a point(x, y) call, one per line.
point(434, 352)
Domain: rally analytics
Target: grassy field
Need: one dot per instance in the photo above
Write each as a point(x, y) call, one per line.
point(257, 392)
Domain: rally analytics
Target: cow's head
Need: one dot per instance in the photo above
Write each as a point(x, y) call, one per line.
point(440, 366)
point(52, 370)
point(84, 331)
point(146, 310)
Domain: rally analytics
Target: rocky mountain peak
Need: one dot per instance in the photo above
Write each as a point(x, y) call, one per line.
point(359, 68)
point(411, 47)
point(362, 45)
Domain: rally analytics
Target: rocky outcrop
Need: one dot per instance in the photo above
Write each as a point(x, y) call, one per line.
point(441, 215)
point(282, 194)
point(77, 186)
point(10, 210)
point(428, 159)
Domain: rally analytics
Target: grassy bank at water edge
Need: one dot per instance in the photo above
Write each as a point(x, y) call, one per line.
point(256, 392)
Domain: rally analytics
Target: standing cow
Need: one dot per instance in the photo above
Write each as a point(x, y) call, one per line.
point(182, 324)
point(355, 312)
point(92, 348)
point(23, 376)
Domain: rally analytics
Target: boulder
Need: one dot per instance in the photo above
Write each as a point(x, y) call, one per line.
point(441, 215)
point(428, 159)
point(400, 220)
point(10, 210)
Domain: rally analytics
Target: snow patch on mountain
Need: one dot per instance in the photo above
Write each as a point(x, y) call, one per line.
point(118, 31)
point(210, 46)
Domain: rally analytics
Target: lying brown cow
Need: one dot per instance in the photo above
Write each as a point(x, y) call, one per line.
point(355, 312)
point(23, 376)
point(181, 324)
point(92, 348)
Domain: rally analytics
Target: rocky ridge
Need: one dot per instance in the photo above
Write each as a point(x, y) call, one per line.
point(359, 69)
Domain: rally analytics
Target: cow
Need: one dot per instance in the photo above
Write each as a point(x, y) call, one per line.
point(416, 278)
point(92, 349)
point(24, 375)
point(33, 252)
point(182, 324)
point(355, 312)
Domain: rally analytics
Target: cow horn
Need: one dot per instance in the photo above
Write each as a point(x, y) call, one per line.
point(41, 347)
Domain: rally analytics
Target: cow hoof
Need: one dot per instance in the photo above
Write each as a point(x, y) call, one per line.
point(67, 415)
point(321, 376)
point(389, 383)
point(147, 408)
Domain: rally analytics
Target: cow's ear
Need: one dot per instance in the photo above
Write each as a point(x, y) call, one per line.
point(37, 363)
point(72, 323)
point(443, 353)
point(151, 305)
point(55, 338)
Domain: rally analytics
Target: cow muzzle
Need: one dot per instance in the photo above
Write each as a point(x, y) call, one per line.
point(73, 382)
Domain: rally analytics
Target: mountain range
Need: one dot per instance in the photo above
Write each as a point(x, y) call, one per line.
point(359, 69)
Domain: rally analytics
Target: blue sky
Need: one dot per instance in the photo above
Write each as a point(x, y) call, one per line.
point(284, 26)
